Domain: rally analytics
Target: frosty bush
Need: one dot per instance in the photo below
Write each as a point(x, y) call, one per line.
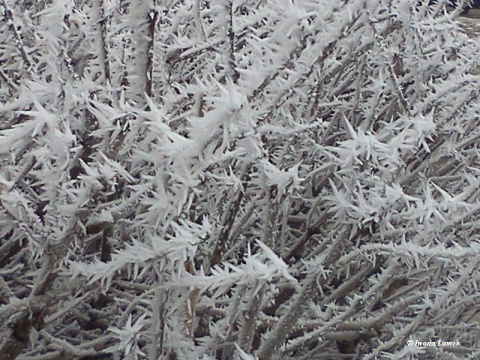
point(237, 180)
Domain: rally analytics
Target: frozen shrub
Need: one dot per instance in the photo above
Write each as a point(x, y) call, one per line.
point(237, 180)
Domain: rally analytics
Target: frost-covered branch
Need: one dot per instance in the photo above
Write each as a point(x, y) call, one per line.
point(223, 179)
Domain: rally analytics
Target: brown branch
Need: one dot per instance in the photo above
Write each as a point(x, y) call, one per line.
point(19, 337)
point(152, 24)
point(18, 39)
point(231, 42)
point(221, 245)
point(104, 47)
